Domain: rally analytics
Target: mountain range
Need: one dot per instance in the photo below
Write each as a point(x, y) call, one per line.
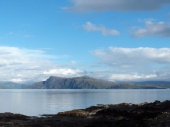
point(85, 82)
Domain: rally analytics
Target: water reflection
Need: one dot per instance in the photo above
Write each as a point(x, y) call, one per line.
point(36, 102)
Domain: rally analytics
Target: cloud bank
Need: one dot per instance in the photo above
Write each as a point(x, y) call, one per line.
point(105, 31)
point(115, 64)
point(141, 63)
point(131, 77)
point(152, 28)
point(114, 56)
point(118, 5)
point(22, 65)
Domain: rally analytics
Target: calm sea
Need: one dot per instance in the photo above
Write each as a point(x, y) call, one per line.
point(37, 102)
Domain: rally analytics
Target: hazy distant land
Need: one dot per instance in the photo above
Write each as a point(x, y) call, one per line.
point(85, 82)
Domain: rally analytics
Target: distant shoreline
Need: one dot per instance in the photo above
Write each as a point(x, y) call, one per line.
point(85, 82)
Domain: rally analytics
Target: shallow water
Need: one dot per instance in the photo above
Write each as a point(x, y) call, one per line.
point(36, 102)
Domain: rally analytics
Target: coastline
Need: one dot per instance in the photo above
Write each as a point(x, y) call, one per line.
point(155, 114)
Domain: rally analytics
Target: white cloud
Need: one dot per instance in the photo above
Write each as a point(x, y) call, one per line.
point(63, 72)
point(17, 80)
point(120, 5)
point(131, 77)
point(153, 29)
point(105, 31)
point(141, 63)
point(21, 65)
point(17, 65)
point(129, 56)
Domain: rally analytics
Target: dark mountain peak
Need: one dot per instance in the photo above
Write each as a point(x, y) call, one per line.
point(70, 78)
point(86, 82)
point(54, 77)
point(82, 82)
point(84, 77)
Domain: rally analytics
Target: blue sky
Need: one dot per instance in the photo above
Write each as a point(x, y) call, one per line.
point(112, 40)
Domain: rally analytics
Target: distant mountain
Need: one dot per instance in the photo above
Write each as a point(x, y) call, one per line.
point(86, 82)
point(153, 84)
point(10, 85)
point(83, 82)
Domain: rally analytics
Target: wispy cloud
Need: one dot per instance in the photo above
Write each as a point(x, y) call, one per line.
point(152, 28)
point(24, 35)
point(120, 5)
point(100, 28)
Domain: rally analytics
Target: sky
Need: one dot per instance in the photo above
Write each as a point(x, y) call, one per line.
point(107, 39)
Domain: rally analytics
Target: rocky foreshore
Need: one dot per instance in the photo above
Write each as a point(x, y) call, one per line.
point(156, 114)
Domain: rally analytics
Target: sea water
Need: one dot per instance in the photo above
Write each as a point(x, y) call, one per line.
point(33, 102)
